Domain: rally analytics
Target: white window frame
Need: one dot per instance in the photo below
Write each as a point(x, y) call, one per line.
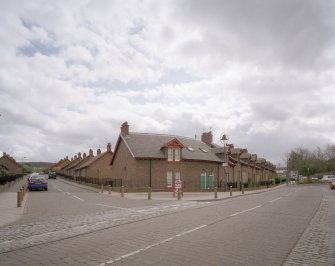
point(177, 175)
point(169, 180)
point(170, 154)
point(177, 154)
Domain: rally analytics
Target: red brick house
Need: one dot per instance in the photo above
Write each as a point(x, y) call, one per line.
point(96, 167)
point(144, 160)
point(9, 165)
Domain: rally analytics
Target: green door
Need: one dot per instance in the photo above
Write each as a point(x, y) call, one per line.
point(211, 181)
point(203, 181)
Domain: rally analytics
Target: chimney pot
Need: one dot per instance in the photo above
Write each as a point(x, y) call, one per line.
point(125, 128)
point(109, 147)
point(207, 138)
point(84, 154)
point(98, 151)
point(90, 152)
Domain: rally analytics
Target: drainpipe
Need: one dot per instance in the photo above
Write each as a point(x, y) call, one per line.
point(150, 173)
point(218, 184)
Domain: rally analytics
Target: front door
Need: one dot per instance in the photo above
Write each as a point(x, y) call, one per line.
point(203, 181)
point(211, 181)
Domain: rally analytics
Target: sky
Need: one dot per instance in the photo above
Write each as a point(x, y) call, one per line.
point(260, 71)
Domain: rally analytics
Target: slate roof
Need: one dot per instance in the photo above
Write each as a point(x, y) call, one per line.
point(91, 160)
point(145, 145)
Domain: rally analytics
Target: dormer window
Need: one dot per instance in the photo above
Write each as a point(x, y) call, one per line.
point(173, 150)
point(173, 154)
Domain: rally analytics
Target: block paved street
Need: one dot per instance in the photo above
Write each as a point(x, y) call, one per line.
point(70, 225)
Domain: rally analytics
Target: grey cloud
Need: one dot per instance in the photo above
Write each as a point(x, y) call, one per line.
point(294, 33)
point(270, 111)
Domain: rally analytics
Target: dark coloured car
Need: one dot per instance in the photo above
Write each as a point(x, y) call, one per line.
point(37, 182)
point(52, 175)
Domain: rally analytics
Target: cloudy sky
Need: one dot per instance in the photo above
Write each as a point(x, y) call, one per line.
point(71, 72)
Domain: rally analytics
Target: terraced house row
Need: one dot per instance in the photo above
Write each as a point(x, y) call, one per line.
point(143, 160)
point(9, 165)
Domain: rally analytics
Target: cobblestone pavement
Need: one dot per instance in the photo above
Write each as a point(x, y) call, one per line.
point(317, 245)
point(18, 236)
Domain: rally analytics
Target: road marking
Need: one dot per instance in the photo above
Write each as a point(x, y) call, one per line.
point(57, 188)
point(110, 206)
point(237, 213)
point(151, 246)
point(77, 198)
point(275, 199)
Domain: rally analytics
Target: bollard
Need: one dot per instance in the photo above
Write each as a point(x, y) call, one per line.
point(102, 188)
point(23, 192)
point(178, 193)
point(242, 189)
point(21, 196)
point(109, 189)
point(215, 193)
point(122, 191)
point(231, 190)
point(149, 193)
point(19, 202)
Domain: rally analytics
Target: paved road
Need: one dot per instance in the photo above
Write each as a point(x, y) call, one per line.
point(73, 226)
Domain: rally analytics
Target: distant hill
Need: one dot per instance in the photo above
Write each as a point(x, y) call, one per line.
point(38, 164)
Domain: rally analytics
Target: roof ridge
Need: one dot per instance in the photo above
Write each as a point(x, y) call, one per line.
point(165, 135)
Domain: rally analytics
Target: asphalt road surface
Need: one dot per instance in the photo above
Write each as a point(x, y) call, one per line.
point(68, 225)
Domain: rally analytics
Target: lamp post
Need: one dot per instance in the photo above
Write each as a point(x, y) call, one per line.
point(224, 140)
point(287, 163)
point(22, 165)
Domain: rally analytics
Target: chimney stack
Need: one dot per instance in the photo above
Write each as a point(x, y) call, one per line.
point(125, 128)
point(79, 155)
point(109, 147)
point(207, 137)
point(90, 152)
point(84, 155)
point(98, 151)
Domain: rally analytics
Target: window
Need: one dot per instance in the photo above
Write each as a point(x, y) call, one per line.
point(174, 154)
point(169, 179)
point(177, 175)
point(189, 148)
point(170, 154)
point(177, 155)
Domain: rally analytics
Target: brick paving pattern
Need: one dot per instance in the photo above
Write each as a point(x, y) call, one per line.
point(317, 244)
point(18, 236)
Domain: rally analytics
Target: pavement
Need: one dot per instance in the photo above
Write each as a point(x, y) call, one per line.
point(9, 212)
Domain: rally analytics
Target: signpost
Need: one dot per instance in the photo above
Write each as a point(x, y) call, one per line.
point(178, 185)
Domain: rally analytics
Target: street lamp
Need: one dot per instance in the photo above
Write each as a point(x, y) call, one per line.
point(287, 163)
point(22, 165)
point(224, 140)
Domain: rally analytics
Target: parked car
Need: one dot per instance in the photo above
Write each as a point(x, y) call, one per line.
point(37, 181)
point(332, 184)
point(52, 175)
